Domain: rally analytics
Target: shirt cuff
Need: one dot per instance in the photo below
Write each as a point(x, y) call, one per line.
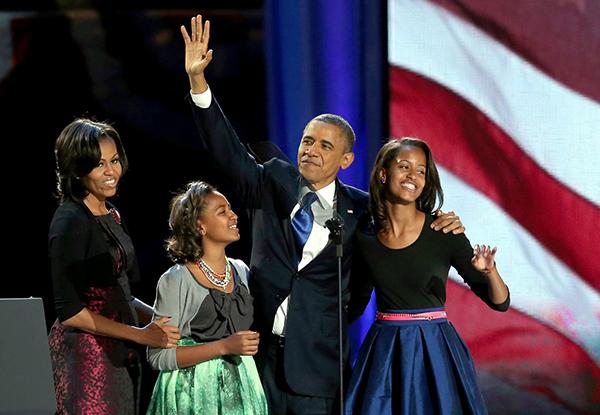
point(203, 99)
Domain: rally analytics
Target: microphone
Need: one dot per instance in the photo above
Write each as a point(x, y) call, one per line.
point(336, 231)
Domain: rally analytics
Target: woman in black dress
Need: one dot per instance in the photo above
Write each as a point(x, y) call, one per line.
point(413, 361)
point(96, 370)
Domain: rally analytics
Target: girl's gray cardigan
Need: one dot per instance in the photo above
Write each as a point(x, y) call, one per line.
point(178, 295)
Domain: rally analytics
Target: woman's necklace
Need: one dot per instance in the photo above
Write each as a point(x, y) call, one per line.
point(217, 279)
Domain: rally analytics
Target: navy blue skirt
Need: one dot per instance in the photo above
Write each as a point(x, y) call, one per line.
point(414, 368)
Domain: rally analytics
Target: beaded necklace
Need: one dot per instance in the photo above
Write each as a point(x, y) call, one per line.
point(218, 279)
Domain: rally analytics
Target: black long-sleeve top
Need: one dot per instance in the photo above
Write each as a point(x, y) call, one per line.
point(413, 277)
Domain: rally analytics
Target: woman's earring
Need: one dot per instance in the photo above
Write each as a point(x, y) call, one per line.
point(383, 180)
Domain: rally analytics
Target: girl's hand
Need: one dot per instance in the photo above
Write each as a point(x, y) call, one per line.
point(484, 258)
point(243, 343)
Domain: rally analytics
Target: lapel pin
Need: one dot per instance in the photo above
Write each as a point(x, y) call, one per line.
point(350, 211)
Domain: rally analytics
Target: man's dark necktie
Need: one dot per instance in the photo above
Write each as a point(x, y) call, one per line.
point(302, 221)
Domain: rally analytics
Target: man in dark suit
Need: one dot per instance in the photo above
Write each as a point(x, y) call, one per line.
point(294, 274)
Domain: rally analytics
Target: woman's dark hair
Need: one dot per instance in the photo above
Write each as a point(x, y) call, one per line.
point(77, 153)
point(185, 243)
point(377, 193)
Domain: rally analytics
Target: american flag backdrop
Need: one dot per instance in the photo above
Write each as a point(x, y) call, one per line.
point(507, 93)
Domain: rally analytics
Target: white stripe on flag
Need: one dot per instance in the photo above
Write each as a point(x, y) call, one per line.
point(530, 106)
point(540, 284)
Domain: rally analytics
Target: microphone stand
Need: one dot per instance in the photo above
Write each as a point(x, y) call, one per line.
point(336, 235)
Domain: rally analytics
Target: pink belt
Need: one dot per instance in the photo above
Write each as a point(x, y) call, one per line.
point(408, 316)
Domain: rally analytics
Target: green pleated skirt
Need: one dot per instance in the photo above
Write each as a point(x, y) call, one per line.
point(226, 385)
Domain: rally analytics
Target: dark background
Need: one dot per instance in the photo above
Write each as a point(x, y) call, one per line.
point(124, 66)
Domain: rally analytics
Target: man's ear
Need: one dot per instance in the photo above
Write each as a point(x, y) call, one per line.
point(347, 160)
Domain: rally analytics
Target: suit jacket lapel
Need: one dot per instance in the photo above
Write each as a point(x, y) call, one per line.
point(345, 209)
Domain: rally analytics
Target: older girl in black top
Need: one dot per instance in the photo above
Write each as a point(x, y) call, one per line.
point(413, 361)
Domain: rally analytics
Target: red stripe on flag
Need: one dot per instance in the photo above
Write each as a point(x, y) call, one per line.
point(524, 352)
point(471, 146)
point(559, 37)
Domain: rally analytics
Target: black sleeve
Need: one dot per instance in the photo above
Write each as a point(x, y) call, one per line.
point(235, 163)
point(462, 252)
point(66, 249)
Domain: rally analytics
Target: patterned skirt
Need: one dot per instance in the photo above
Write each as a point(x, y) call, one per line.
point(93, 375)
point(225, 385)
point(419, 367)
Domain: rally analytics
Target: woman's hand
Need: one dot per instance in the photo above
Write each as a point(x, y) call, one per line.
point(158, 334)
point(484, 258)
point(243, 343)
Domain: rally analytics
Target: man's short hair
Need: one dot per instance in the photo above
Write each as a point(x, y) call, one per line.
point(344, 125)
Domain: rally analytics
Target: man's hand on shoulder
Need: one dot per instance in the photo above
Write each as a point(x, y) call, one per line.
point(447, 222)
